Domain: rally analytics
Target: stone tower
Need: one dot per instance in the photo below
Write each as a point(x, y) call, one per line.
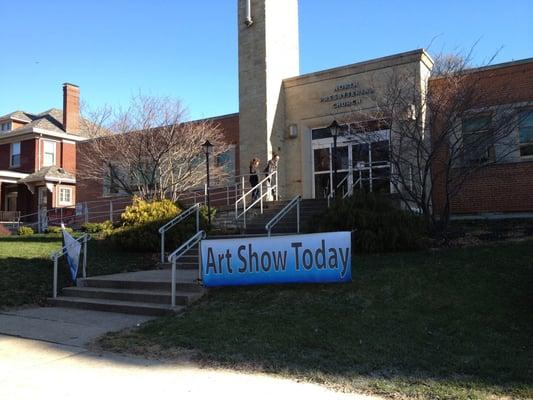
point(268, 53)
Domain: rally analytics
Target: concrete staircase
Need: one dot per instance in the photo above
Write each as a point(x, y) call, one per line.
point(308, 208)
point(143, 292)
point(149, 292)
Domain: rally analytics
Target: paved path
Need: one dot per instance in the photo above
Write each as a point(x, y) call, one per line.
point(55, 364)
point(67, 326)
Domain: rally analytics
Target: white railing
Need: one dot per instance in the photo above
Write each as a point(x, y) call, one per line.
point(271, 182)
point(225, 193)
point(295, 202)
point(61, 252)
point(89, 211)
point(180, 251)
point(349, 192)
point(194, 209)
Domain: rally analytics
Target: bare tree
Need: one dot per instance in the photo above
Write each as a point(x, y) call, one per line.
point(148, 150)
point(441, 136)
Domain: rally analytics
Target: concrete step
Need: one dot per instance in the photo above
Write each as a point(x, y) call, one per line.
point(137, 296)
point(140, 285)
point(125, 307)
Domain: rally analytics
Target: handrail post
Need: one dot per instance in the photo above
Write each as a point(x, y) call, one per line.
point(199, 262)
point(173, 279)
point(54, 290)
point(86, 213)
point(197, 218)
point(244, 216)
point(162, 247)
point(298, 216)
point(261, 196)
point(85, 257)
point(111, 211)
point(242, 185)
point(277, 187)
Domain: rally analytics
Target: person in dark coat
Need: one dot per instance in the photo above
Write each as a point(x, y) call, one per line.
point(254, 177)
point(271, 167)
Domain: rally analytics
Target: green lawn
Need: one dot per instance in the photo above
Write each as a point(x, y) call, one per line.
point(26, 268)
point(436, 324)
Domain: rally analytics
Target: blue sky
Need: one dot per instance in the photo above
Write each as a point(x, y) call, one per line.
point(113, 49)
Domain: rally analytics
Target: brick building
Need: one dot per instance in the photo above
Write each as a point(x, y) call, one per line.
point(38, 157)
point(283, 112)
point(506, 185)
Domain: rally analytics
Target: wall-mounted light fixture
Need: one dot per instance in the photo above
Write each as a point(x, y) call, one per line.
point(293, 131)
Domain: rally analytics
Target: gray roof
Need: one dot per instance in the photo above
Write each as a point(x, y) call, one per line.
point(51, 120)
point(48, 173)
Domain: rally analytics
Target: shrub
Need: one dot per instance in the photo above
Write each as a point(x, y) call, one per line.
point(377, 225)
point(25, 231)
point(57, 229)
point(141, 222)
point(142, 212)
point(104, 228)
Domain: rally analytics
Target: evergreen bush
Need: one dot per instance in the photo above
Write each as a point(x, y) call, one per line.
point(25, 231)
point(57, 229)
point(377, 226)
point(104, 228)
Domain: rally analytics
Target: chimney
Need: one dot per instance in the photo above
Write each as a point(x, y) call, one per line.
point(71, 108)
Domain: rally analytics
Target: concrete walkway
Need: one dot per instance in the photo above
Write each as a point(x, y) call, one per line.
point(37, 370)
point(43, 355)
point(66, 326)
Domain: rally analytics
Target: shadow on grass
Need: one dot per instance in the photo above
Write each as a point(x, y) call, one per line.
point(27, 279)
point(455, 324)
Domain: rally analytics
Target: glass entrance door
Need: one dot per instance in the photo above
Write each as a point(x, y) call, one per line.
point(362, 163)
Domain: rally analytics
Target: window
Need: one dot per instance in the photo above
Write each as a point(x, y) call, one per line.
point(15, 155)
point(49, 153)
point(477, 140)
point(5, 126)
point(525, 132)
point(65, 196)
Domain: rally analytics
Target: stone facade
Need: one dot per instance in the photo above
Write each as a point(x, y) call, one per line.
point(268, 53)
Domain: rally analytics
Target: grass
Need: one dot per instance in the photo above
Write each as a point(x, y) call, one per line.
point(26, 268)
point(434, 324)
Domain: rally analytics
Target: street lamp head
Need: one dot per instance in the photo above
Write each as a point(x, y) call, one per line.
point(334, 128)
point(208, 147)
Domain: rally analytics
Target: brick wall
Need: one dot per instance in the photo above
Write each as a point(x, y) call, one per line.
point(505, 187)
point(90, 190)
point(27, 156)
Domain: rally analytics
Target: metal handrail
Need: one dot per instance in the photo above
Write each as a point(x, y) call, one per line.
point(334, 191)
point(259, 199)
point(349, 192)
point(55, 256)
point(177, 220)
point(294, 202)
point(173, 257)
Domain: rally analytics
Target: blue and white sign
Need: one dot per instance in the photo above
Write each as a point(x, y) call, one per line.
point(314, 258)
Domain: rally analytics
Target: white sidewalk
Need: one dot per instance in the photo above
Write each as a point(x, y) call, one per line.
point(31, 369)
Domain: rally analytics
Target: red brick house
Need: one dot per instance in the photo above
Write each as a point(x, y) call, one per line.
point(38, 158)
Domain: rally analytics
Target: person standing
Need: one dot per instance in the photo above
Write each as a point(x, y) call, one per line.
point(254, 177)
point(272, 166)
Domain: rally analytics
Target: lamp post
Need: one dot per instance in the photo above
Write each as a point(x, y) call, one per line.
point(334, 128)
point(208, 148)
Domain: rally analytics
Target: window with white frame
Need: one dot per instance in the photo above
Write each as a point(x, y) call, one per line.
point(65, 196)
point(525, 133)
point(478, 146)
point(5, 127)
point(15, 155)
point(49, 153)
